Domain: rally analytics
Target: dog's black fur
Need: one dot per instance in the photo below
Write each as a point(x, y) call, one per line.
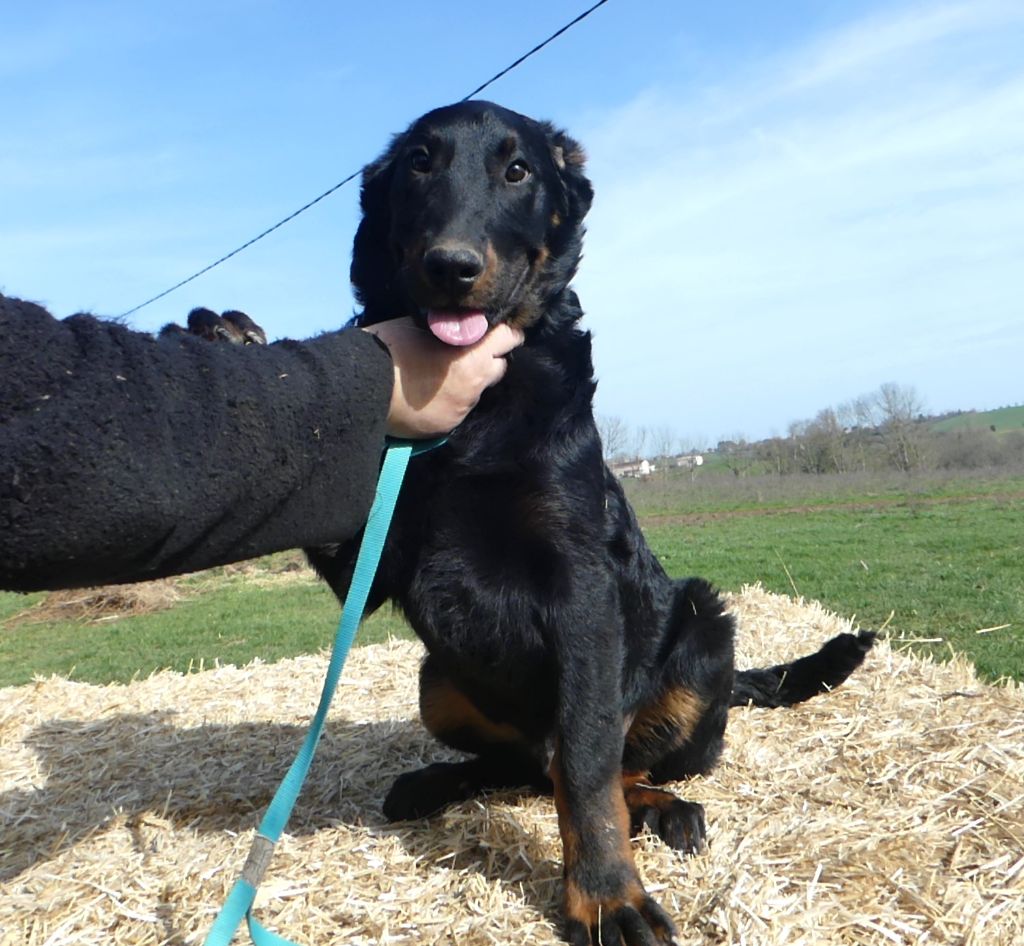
point(560, 655)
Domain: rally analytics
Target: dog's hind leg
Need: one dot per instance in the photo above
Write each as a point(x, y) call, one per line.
point(679, 732)
point(504, 757)
point(675, 737)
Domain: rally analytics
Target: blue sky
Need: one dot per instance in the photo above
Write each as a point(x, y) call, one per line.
point(795, 202)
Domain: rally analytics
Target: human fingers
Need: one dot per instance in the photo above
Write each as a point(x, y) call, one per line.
point(488, 355)
point(501, 340)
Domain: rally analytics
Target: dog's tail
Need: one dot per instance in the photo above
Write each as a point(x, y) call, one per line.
point(808, 676)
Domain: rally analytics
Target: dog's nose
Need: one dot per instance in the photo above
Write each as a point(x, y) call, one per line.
point(452, 266)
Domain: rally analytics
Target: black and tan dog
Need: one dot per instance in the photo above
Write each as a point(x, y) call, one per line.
point(560, 655)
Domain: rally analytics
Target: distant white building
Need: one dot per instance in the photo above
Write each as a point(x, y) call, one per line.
point(637, 469)
point(633, 469)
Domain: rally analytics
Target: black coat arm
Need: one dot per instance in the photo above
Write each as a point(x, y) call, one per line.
point(124, 457)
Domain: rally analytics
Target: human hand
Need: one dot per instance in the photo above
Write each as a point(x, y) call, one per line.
point(437, 385)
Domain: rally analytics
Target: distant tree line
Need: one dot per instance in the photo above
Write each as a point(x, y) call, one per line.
point(623, 443)
point(883, 429)
point(886, 429)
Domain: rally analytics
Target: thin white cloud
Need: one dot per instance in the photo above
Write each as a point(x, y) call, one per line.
point(861, 196)
point(880, 41)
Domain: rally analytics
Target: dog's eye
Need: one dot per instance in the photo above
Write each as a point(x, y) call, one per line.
point(419, 160)
point(517, 172)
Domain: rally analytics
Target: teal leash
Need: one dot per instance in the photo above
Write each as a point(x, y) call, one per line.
point(240, 899)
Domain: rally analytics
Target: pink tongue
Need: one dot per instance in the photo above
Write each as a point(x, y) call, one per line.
point(458, 328)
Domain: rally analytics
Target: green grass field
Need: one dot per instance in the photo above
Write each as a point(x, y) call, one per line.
point(934, 574)
point(935, 559)
point(225, 616)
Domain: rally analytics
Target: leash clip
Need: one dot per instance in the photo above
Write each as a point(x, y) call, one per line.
point(258, 861)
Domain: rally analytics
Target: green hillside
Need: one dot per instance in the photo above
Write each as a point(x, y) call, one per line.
point(1003, 420)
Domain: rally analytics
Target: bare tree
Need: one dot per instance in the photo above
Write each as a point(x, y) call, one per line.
point(854, 421)
point(614, 432)
point(663, 440)
point(777, 453)
point(864, 411)
point(639, 441)
point(736, 454)
point(691, 445)
point(823, 444)
point(900, 408)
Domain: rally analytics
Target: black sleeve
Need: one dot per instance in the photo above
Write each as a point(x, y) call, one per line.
point(124, 457)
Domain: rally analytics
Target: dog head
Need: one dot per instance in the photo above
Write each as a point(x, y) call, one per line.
point(473, 216)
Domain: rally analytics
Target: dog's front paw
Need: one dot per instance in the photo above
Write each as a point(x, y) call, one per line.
point(635, 920)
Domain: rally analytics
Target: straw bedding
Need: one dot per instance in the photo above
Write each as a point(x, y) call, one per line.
point(890, 811)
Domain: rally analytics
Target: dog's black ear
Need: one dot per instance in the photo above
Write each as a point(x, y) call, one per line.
point(570, 160)
point(565, 233)
point(372, 270)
